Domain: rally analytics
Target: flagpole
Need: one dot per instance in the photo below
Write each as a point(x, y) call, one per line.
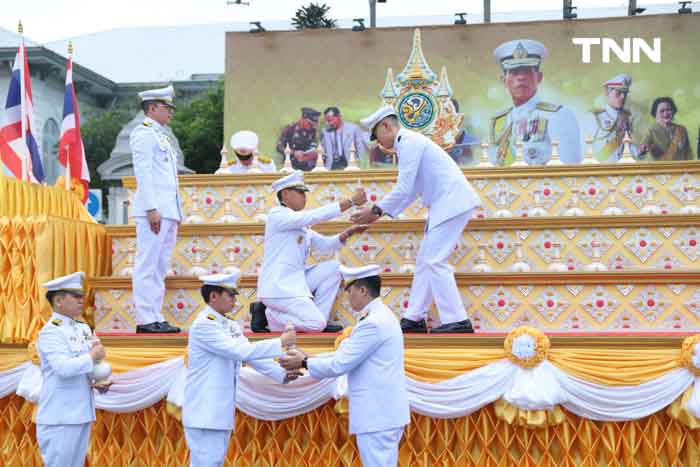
point(68, 177)
point(23, 105)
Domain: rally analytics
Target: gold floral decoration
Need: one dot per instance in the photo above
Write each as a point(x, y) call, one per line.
point(542, 345)
point(687, 351)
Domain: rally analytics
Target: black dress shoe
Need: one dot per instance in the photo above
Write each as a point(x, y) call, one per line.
point(167, 328)
point(408, 325)
point(332, 328)
point(150, 328)
point(258, 319)
point(459, 327)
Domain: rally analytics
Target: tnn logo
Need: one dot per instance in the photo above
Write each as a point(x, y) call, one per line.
point(629, 52)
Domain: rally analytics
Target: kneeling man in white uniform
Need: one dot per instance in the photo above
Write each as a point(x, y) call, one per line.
point(68, 352)
point(216, 347)
point(372, 357)
point(293, 291)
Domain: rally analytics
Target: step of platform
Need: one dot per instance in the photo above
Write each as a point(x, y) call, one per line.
point(627, 301)
point(515, 191)
point(662, 243)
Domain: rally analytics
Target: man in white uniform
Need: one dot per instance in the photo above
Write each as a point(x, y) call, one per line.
point(215, 349)
point(293, 291)
point(156, 209)
point(372, 357)
point(531, 120)
point(67, 353)
point(245, 147)
point(608, 126)
point(425, 169)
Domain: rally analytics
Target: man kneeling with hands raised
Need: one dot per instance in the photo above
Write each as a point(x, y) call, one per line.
point(372, 357)
point(215, 351)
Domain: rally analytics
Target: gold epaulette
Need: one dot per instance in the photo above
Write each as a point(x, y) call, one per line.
point(597, 111)
point(501, 114)
point(547, 107)
point(56, 322)
point(264, 159)
point(147, 124)
point(211, 317)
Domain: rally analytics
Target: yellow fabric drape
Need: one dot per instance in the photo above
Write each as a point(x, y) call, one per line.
point(532, 418)
point(618, 367)
point(678, 410)
point(611, 367)
point(11, 357)
point(30, 199)
point(34, 250)
point(320, 438)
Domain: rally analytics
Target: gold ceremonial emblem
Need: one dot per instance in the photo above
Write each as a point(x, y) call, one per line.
point(520, 51)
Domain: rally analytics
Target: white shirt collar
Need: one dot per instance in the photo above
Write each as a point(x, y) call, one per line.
point(402, 131)
point(528, 105)
point(209, 310)
point(371, 306)
point(611, 111)
point(153, 123)
point(64, 318)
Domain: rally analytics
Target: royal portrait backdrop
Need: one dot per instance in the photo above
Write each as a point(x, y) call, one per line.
point(271, 76)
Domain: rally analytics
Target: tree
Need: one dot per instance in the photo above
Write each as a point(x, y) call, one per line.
point(99, 136)
point(313, 16)
point(199, 127)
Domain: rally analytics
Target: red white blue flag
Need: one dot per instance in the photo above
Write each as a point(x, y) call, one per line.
point(17, 143)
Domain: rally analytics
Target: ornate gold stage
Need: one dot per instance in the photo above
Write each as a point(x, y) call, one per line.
point(612, 276)
point(153, 437)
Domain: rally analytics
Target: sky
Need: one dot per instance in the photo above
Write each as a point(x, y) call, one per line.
point(49, 20)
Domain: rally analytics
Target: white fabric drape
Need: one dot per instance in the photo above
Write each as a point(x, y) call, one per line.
point(541, 387)
point(137, 389)
point(9, 380)
point(620, 403)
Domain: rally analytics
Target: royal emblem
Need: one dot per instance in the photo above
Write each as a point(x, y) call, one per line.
point(416, 110)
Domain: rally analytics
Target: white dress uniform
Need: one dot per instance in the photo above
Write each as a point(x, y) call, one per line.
point(247, 140)
point(292, 291)
point(215, 349)
point(425, 169)
point(66, 407)
point(535, 123)
point(261, 164)
point(155, 168)
point(607, 126)
point(372, 357)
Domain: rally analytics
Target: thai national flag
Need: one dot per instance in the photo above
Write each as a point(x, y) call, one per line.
point(70, 146)
point(17, 142)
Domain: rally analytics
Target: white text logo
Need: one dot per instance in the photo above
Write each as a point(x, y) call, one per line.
point(629, 52)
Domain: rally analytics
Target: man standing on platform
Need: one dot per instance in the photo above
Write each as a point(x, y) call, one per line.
point(156, 209)
point(293, 291)
point(425, 169)
point(301, 137)
point(372, 357)
point(245, 147)
point(215, 349)
point(68, 352)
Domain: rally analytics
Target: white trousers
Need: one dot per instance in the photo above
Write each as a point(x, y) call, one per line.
point(305, 314)
point(433, 278)
point(380, 448)
point(153, 254)
point(63, 445)
point(207, 447)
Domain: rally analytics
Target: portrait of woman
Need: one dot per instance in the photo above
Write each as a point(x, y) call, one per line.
point(666, 141)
